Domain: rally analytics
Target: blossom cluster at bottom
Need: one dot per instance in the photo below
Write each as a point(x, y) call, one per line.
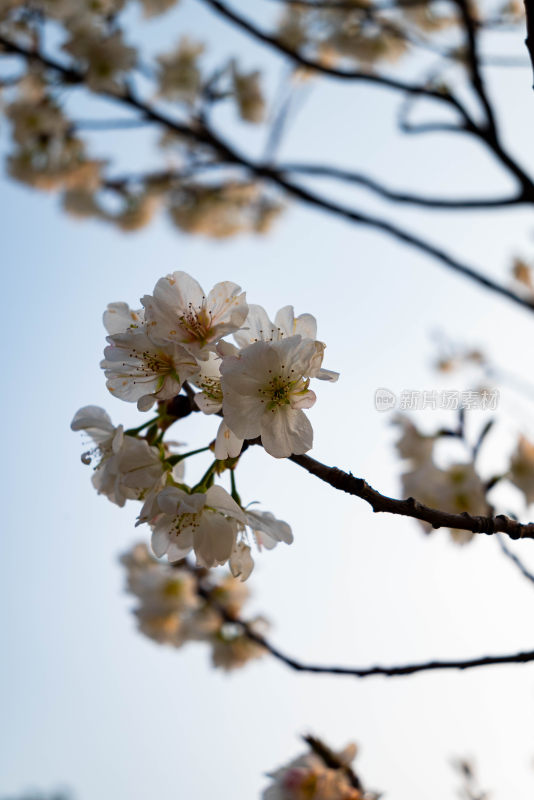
point(319, 774)
point(186, 604)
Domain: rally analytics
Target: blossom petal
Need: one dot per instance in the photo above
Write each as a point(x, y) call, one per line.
point(214, 539)
point(227, 444)
point(218, 498)
point(285, 431)
point(241, 561)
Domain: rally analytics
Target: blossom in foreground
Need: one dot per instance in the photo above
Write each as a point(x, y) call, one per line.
point(308, 778)
point(259, 328)
point(210, 400)
point(127, 467)
point(180, 312)
point(119, 318)
point(139, 370)
point(205, 522)
point(267, 532)
point(265, 389)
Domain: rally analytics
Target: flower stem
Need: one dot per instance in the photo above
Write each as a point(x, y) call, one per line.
point(180, 457)
point(134, 431)
point(207, 479)
point(235, 493)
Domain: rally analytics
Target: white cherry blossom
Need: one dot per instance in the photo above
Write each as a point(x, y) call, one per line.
point(308, 778)
point(180, 312)
point(210, 399)
point(259, 328)
point(119, 318)
point(267, 532)
point(265, 389)
point(127, 467)
point(138, 370)
point(205, 522)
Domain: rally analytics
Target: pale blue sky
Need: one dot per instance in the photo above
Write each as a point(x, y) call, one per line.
point(89, 704)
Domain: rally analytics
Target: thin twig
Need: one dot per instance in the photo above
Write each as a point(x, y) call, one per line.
point(515, 559)
point(321, 171)
point(361, 672)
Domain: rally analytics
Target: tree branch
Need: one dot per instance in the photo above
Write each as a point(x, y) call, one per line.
point(199, 133)
point(346, 482)
point(474, 63)
point(362, 672)
point(350, 75)
point(332, 760)
point(317, 170)
point(529, 41)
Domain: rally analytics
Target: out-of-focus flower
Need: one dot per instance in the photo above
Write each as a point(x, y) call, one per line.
point(153, 8)
point(522, 468)
point(412, 444)
point(308, 778)
point(248, 95)
point(104, 57)
point(222, 210)
point(455, 489)
point(179, 75)
point(171, 611)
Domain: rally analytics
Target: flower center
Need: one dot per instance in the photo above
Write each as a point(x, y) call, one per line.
point(212, 388)
point(280, 390)
point(197, 322)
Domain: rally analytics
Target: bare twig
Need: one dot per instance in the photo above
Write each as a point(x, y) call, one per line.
point(362, 672)
point(515, 559)
point(346, 482)
point(322, 171)
point(529, 41)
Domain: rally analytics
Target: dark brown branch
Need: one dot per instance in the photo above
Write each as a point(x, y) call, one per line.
point(486, 134)
point(317, 170)
point(393, 230)
point(362, 672)
point(347, 75)
point(183, 405)
point(346, 482)
point(332, 760)
point(473, 61)
point(529, 41)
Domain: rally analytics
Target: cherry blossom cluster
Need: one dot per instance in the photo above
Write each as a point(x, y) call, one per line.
point(259, 385)
point(171, 611)
point(51, 150)
point(457, 487)
point(318, 774)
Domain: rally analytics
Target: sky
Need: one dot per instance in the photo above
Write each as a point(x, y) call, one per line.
point(91, 706)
